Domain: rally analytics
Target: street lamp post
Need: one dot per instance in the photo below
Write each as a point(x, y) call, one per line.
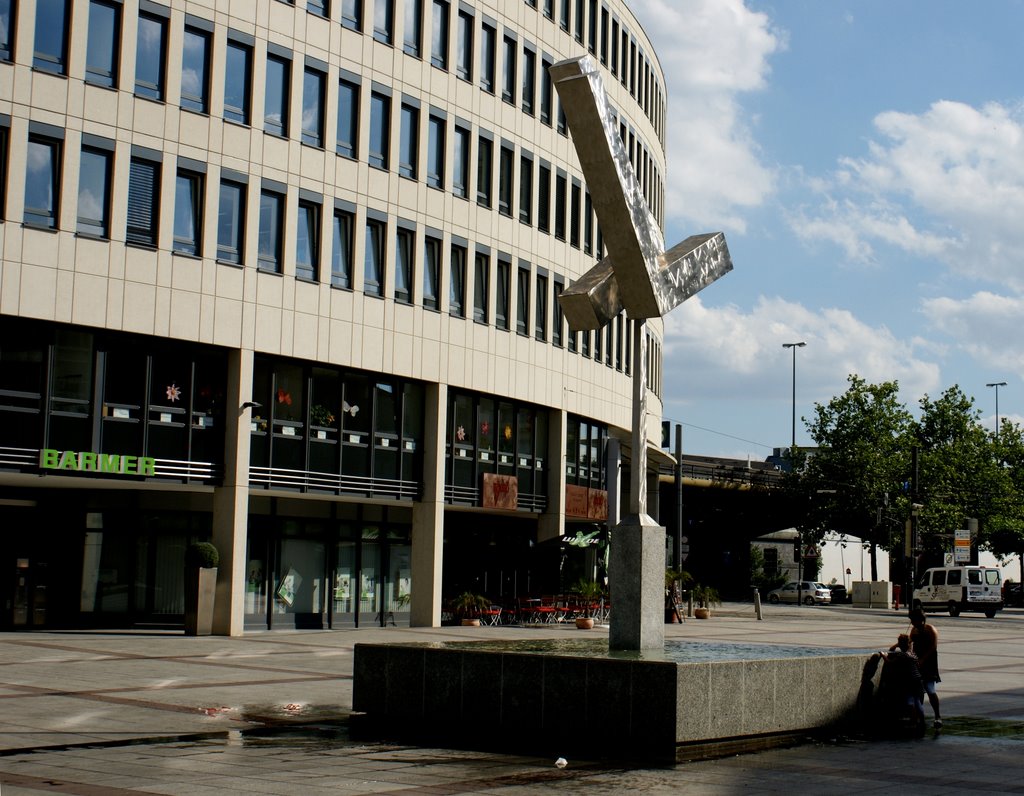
point(792, 449)
point(997, 385)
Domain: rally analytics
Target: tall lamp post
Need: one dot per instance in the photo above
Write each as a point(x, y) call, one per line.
point(997, 385)
point(792, 449)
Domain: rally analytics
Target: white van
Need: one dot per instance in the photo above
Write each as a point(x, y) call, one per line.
point(957, 589)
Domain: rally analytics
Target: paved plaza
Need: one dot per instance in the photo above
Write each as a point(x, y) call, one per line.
point(124, 713)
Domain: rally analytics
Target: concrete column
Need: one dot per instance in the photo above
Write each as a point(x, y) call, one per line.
point(231, 499)
point(428, 514)
point(551, 523)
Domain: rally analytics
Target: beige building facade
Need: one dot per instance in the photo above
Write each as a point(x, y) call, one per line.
point(284, 276)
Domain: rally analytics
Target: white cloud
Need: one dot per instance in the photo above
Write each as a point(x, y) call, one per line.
point(711, 51)
point(986, 327)
point(740, 353)
point(946, 184)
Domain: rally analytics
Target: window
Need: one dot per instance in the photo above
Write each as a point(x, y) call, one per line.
point(488, 43)
point(271, 229)
point(439, 35)
point(523, 300)
point(460, 162)
point(578, 29)
point(352, 14)
point(318, 7)
point(195, 71)
point(384, 21)
point(574, 217)
point(307, 241)
point(588, 223)
point(275, 96)
point(529, 79)
point(604, 36)
point(151, 57)
point(413, 34)
point(373, 258)
point(408, 147)
point(484, 176)
point(544, 198)
point(546, 92)
point(505, 177)
point(481, 286)
point(540, 313)
point(501, 294)
point(231, 222)
point(431, 272)
point(457, 282)
point(341, 251)
point(559, 320)
point(525, 189)
point(404, 240)
point(508, 70)
point(563, 14)
point(549, 10)
point(143, 202)
point(615, 47)
point(561, 187)
point(188, 212)
point(435, 151)
point(51, 42)
point(464, 46)
point(103, 45)
point(94, 192)
point(563, 126)
point(237, 80)
point(348, 118)
point(6, 30)
point(380, 129)
point(313, 82)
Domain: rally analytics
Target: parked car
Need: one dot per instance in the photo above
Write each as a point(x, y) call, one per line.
point(839, 593)
point(1013, 594)
point(810, 592)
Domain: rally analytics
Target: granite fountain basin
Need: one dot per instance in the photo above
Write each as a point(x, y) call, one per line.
point(561, 697)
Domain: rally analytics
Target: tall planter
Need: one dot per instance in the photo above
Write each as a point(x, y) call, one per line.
point(200, 588)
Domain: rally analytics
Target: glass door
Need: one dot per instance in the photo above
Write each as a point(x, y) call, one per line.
point(299, 597)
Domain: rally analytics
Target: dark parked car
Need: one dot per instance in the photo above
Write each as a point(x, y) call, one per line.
point(839, 593)
point(1013, 594)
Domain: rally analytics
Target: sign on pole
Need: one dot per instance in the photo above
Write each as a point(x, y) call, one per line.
point(962, 546)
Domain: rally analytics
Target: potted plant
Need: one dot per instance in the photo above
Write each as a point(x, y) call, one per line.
point(201, 559)
point(589, 593)
point(676, 580)
point(467, 607)
point(707, 598)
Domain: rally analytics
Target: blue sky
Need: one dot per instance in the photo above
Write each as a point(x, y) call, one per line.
point(866, 162)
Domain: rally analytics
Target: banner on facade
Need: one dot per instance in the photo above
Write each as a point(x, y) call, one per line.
point(500, 491)
point(585, 503)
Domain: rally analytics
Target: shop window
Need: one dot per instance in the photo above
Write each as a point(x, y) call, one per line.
point(435, 151)
point(439, 34)
point(270, 231)
point(195, 72)
point(348, 118)
point(484, 175)
point(123, 377)
point(431, 272)
point(386, 427)
point(412, 36)
point(22, 369)
point(307, 241)
point(412, 431)
point(231, 222)
point(356, 419)
point(408, 147)
point(384, 21)
point(506, 437)
point(238, 83)
point(481, 286)
point(170, 396)
point(51, 40)
point(485, 434)
point(287, 449)
point(464, 46)
point(70, 400)
point(324, 414)
point(94, 193)
point(461, 441)
point(352, 14)
point(341, 250)
point(404, 241)
point(276, 95)
point(373, 258)
point(313, 82)
point(143, 202)
point(151, 57)
point(188, 213)
point(460, 162)
point(103, 45)
point(488, 47)
point(380, 130)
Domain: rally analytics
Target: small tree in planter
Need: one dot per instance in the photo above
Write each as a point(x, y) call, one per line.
point(707, 598)
point(201, 561)
point(589, 592)
point(467, 607)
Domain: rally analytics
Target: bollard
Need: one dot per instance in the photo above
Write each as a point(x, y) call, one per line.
point(757, 604)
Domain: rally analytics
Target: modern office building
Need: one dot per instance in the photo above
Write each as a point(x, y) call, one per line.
point(283, 275)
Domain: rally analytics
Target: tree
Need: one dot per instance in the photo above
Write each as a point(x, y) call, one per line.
point(864, 439)
point(961, 474)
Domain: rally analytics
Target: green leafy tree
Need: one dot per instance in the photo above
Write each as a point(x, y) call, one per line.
point(854, 482)
point(1005, 532)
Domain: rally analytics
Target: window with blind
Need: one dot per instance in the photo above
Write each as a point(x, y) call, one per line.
point(143, 202)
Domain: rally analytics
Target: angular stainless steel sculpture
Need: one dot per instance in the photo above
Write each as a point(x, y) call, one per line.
point(639, 276)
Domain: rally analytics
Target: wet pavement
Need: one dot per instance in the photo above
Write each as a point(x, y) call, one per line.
point(132, 713)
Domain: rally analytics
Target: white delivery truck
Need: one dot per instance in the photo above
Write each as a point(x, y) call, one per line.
point(964, 588)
